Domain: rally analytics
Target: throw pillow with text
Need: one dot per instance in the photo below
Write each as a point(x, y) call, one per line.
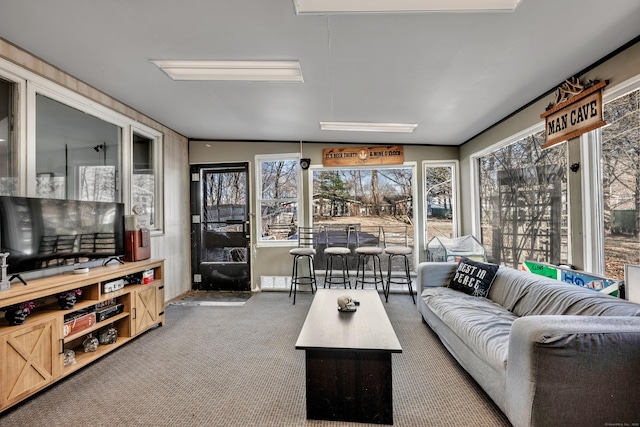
point(474, 277)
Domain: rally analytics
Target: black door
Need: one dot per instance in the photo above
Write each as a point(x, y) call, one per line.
point(220, 237)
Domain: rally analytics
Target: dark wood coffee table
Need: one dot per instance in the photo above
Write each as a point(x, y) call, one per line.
point(348, 358)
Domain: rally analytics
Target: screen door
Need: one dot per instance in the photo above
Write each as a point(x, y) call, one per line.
point(220, 227)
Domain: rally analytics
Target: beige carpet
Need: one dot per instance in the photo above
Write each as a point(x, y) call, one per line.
point(237, 366)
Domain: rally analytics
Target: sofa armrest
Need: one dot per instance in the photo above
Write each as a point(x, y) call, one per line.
point(573, 370)
point(431, 274)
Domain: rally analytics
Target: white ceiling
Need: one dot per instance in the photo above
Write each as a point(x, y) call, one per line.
point(454, 74)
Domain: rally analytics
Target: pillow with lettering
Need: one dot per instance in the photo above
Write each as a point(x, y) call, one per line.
point(474, 277)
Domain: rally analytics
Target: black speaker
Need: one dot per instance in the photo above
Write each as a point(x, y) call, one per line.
point(304, 163)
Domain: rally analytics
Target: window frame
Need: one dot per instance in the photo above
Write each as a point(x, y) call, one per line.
point(455, 186)
point(475, 178)
point(28, 85)
point(157, 226)
point(475, 172)
point(417, 216)
point(10, 72)
point(80, 103)
point(259, 160)
point(592, 183)
point(590, 177)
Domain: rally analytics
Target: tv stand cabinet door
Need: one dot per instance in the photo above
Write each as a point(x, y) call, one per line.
point(146, 309)
point(31, 360)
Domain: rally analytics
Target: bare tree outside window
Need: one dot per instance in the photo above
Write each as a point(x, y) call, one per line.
point(279, 179)
point(278, 200)
point(143, 190)
point(363, 192)
point(143, 179)
point(224, 197)
point(97, 183)
point(621, 183)
point(523, 203)
point(439, 199)
point(365, 197)
point(49, 186)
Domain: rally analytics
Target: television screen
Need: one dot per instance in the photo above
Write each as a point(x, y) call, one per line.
point(42, 233)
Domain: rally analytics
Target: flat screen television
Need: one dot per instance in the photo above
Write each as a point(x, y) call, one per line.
point(43, 233)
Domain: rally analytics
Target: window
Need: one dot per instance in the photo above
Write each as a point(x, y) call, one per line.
point(8, 159)
point(94, 183)
point(278, 197)
point(440, 198)
point(146, 180)
point(56, 143)
point(523, 202)
point(361, 197)
point(363, 193)
point(621, 183)
point(77, 154)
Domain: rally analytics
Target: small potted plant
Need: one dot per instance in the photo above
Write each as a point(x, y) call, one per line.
point(17, 314)
point(67, 300)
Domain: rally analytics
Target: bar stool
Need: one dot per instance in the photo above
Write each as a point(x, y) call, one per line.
point(336, 240)
point(396, 242)
point(368, 248)
point(307, 239)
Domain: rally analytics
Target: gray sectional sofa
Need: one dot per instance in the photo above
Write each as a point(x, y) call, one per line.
point(547, 353)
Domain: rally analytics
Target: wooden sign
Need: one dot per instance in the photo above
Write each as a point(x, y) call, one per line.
point(357, 156)
point(575, 115)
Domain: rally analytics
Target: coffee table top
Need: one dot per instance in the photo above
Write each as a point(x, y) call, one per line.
point(367, 328)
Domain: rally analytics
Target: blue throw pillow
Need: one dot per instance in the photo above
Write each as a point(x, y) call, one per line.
point(473, 277)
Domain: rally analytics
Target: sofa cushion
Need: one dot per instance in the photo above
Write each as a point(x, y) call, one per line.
point(527, 294)
point(473, 277)
point(482, 324)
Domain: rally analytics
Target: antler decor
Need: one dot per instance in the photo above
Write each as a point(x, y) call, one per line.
point(570, 88)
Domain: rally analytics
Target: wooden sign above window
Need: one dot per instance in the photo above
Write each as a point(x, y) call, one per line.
point(357, 156)
point(577, 109)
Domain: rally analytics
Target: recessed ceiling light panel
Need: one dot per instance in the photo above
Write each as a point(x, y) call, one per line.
point(274, 71)
point(368, 127)
point(403, 6)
